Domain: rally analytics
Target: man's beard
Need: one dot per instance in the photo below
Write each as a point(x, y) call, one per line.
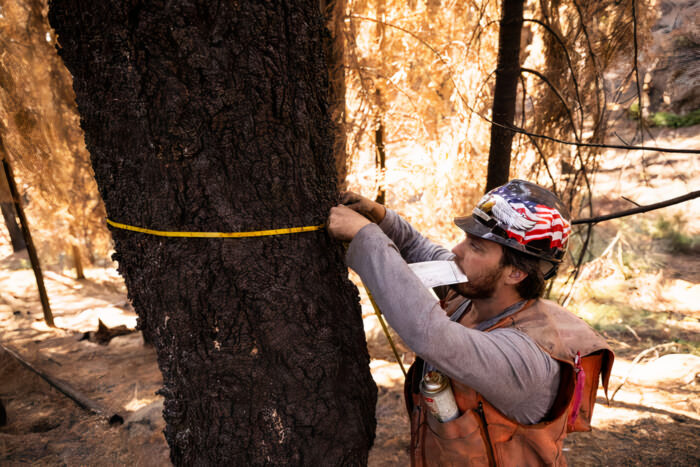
point(483, 286)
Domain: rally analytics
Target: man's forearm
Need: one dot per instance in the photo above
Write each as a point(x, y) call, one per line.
point(413, 246)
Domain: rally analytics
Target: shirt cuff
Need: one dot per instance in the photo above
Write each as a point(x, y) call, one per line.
point(387, 224)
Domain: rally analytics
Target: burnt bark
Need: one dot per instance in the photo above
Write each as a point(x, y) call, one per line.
point(213, 116)
point(505, 93)
point(9, 215)
point(78, 263)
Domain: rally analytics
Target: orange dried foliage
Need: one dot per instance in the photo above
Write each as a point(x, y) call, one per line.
point(40, 129)
point(423, 70)
point(415, 69)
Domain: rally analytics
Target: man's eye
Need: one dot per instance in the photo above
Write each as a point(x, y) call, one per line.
point(474, 246)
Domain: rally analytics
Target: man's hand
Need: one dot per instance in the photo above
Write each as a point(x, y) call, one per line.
point(368, 208)
point(344, 223)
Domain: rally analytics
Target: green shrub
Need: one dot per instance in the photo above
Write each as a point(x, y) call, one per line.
point(667, 119)
point(633, 111)
point(671, 231)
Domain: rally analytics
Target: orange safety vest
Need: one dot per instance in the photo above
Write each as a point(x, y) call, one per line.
point(483, 436)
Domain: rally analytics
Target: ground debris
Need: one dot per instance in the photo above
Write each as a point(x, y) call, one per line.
point(105, 334)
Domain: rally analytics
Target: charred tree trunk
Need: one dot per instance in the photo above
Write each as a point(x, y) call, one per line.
point(380, 155)
point(9, 215)
point(27, 236)
point(204, 118)
point(505, 93)
point(77, 262)
point(381, 161)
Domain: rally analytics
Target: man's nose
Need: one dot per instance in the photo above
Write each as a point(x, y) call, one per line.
point(458, 249)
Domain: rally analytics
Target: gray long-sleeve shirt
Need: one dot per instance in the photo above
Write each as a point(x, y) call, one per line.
point(504, 365)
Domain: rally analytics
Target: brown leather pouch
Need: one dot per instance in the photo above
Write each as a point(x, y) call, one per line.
point(457, 442)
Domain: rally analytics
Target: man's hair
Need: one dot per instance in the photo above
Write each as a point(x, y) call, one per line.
point(533, 285)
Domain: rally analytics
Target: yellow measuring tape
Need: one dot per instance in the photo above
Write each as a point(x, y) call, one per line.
point(386, 330)
point(259, 233)
point(254, 233)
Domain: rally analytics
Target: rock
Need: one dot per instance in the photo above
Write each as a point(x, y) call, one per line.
point(673, 76)
point(668, 370)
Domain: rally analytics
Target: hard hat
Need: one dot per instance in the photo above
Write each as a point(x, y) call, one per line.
point(525, 217)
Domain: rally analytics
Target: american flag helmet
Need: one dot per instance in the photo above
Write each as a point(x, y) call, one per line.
point(525, 217)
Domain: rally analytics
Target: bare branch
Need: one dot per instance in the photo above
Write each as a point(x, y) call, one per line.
point(629, 212)
point(657, 350)
point(636, 72)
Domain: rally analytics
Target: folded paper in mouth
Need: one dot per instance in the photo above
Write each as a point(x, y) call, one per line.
point(437, 273)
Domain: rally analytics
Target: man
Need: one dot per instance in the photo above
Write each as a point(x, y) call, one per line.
point(524, 370)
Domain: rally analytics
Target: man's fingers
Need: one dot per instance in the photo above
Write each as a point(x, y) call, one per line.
point(344, 223)
point(349, 197)
point(332, 219)
point(336, 219)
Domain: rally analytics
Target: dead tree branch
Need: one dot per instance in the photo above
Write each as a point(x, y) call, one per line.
point(629, 212)
point(64, 388)
point(559, 96)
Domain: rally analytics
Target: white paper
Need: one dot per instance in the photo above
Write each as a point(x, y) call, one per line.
point(437, 273)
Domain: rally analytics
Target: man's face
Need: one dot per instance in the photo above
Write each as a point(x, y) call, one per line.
point(481, 261)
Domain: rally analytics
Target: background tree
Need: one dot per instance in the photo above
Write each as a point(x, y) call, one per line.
point(215, 118)
point(505, 93)
point(39, 126)
point(8, 213)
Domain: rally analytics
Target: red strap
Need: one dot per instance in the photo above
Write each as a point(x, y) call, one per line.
point(578, 390)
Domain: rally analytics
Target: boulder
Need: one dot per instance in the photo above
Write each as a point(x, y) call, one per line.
point(672, 60)
point(668, 370)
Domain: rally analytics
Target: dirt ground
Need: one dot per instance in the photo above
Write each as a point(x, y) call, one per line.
point(654, 418)
point(44, 426)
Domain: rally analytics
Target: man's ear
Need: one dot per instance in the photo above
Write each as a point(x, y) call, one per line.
point(514, 275)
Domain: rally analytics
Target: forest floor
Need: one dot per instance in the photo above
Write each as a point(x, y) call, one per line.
point(642, 291)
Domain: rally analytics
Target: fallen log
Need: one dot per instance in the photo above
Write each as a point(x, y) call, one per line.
point(64, 388)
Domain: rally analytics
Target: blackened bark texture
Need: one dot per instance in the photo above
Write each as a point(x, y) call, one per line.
point(8, 210)
point(213, 116)
point(9, 216)
point(505, 92)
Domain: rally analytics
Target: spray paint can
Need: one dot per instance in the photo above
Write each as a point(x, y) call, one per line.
point(438, 395)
